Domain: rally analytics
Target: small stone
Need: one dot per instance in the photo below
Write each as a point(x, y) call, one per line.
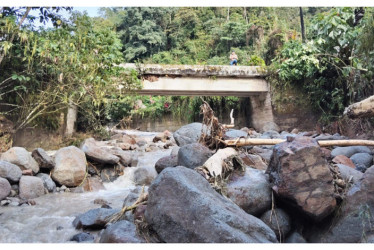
point(342, 159)
point(4, 202)
point(83, 237)
point(27, 172)
point(31, 202)
point(100, 201)
point(295, 131)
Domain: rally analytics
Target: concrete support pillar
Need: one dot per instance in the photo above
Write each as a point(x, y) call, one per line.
point(262, 111)
point(71, 118)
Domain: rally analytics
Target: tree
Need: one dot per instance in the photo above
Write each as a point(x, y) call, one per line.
point(72, 63)
point(302, 25)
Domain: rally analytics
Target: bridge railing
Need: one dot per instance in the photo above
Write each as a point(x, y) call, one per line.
point(199, 70)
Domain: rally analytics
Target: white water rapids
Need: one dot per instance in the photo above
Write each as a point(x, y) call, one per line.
point(50, 220)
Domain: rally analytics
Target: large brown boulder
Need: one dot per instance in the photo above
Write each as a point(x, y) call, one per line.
point(10, 171)
point(183, 208)
point(30, 187)
point(70, 166)
point(98, 154)
point(301, 177)
point(4, 188)
point(43, 159)
point(20, 157)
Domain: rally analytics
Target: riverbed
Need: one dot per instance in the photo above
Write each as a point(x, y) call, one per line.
point(50, 220)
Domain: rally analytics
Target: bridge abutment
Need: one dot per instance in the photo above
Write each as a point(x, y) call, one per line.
point(261, 110)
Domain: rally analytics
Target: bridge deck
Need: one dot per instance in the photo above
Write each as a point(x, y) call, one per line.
point(201, 80)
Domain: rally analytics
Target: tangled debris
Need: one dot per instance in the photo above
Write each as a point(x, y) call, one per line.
point(229, 165)
point(142, 200)
point(340, 185)
point(212, 131)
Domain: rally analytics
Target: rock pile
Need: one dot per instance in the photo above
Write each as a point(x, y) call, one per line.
point(293, 192)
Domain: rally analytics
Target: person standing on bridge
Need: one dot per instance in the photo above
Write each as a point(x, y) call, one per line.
point(233, 58)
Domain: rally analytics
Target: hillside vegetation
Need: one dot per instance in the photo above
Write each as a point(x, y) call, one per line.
point(325, 52)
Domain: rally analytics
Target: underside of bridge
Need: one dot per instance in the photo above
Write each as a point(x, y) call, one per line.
point(210, 80)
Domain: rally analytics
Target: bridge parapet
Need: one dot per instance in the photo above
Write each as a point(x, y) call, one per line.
point(199, 70)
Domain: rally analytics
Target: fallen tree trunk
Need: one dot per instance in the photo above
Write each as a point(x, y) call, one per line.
point(364, 108)
point(323, 143)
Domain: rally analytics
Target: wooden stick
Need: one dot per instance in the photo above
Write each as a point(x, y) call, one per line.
point(328, 143)
point(228, 125)
point(323, 143)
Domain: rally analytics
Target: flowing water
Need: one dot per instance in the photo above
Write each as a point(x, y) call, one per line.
point(50, 220)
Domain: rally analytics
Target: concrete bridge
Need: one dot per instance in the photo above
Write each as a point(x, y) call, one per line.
point(210, 80)
point(201, 80)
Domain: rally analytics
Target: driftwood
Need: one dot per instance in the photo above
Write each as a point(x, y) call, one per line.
point(323, 143)
point(213, 131)
point(364, 108)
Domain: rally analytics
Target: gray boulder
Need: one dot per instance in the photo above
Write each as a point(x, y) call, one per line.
point(144, 176)
point(349, 151)
point(270, 126)
point(279, 221)
point(250, 191)
point(271, 134)
point(83, 237)
point(187, 134)
point(4, 188)
point(70, 166)
point(20, 157)
point(175, 150)
point(125, 158)
point(295, 237)
point(43, 159)
point(97, 154)
point(362, 161)
point(193, 155)
point(165, 162)
point(10, 171)
point(348, 172)
point(94, 219)
point(234, 133)
point(183, 208)
point(263, 152)
point(354, 219)
point(121, 232)
point(108, 174)
point(30, 187)
point(48, 183)
point(336, 136)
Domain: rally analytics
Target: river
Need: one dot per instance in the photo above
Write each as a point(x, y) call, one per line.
point(50, 220)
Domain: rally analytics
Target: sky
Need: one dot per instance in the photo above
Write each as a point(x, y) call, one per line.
point(91, 11)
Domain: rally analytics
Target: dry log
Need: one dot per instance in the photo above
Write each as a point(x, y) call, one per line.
point(364, 108)
point(323, 143)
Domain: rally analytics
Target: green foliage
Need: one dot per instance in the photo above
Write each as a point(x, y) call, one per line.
point(329, 66)
point(256, 61)
point(71, 64)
